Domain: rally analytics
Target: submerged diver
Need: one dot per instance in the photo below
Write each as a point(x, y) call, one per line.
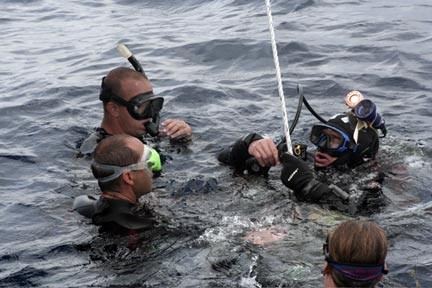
point(344, 143)
point(131, 107)
point(123, 166)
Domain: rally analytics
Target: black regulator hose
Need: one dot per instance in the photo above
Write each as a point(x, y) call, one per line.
point(299, 107)
point(302, 99)
point(313, 111)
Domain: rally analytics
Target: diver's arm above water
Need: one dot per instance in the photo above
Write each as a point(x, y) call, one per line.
point(236, 155)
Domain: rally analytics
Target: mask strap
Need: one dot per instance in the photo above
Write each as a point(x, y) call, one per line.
point(118, 170)
point(355, 135)
point(360, 125)
point(358, 272)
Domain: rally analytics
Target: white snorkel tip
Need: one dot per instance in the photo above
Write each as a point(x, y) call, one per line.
point(124, 51)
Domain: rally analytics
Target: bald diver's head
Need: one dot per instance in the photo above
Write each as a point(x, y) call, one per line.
point(130, 105)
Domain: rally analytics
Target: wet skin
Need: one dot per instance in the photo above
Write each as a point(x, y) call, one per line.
point(323, 159)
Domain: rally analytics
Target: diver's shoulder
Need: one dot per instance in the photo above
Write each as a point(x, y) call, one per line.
point(89, 144)
point(85, 205)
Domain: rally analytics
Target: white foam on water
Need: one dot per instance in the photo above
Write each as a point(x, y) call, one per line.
point(229, 225)
point(234, 225)
point(250, 281)
point(415, 161)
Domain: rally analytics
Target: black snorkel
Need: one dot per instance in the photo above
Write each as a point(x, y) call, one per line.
point(152, 127)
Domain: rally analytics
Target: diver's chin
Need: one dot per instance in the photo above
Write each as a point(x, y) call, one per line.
point(323, 160)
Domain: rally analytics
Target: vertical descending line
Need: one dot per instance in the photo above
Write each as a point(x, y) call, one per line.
point(279, 78)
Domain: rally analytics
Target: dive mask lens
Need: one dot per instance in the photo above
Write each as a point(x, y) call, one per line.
point(143, 110)
point(329, 139)
point(156, 105)
point(145, 106)
point(326, 138)
point(317, 136)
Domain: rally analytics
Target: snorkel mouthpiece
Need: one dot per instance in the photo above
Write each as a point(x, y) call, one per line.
point(152, 128)
point(366, 110)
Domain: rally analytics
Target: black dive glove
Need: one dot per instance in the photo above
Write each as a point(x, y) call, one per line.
point(297, 176)
point(295, 173)
point(237, 154)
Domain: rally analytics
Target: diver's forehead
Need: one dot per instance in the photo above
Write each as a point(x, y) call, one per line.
point(133, 87)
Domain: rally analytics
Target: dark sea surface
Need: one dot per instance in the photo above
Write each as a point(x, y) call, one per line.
point(212, 61)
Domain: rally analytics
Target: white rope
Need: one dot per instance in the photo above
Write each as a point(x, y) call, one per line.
point(279, 78)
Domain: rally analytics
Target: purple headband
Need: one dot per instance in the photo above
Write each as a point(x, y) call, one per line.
point(358, 272)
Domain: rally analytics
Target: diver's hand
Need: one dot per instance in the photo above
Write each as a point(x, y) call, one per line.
point(175, 128)
point(295, 173)
point(265, 152)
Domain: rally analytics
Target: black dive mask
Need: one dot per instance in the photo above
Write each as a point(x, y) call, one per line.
point(142, 106)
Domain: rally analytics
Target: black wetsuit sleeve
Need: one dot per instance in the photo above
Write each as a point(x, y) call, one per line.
point(237, 154)
point(134, 222)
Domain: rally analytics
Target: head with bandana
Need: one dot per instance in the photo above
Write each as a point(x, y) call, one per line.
point(355, 255)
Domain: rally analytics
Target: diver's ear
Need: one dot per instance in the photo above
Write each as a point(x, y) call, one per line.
point(326, 268)
point(112, 109)
point(328, 280)
point(127, 177)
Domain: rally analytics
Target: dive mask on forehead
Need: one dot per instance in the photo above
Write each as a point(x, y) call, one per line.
point(331, 140)
point(150, 161)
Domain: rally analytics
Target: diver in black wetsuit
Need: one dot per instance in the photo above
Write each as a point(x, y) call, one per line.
point(344, 143)
point(123, 166)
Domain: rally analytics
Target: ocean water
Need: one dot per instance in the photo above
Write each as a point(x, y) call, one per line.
point(212, 62)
